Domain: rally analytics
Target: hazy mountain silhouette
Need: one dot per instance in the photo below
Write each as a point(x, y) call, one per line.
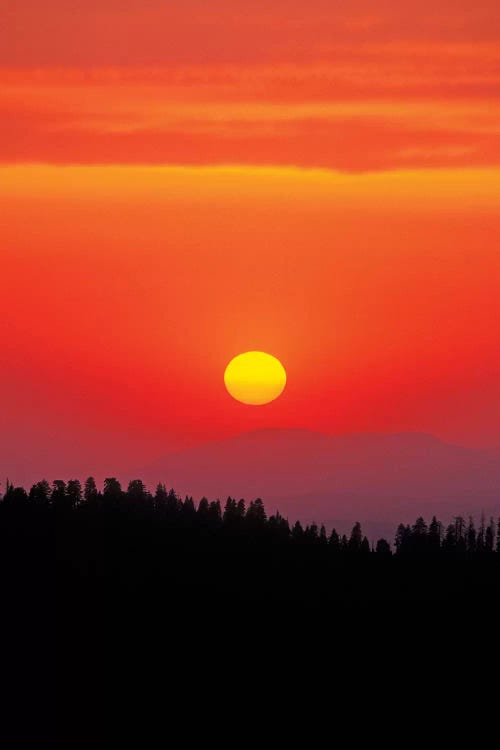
point(383, 477)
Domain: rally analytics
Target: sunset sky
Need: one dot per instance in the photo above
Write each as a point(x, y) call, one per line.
point(184, 181)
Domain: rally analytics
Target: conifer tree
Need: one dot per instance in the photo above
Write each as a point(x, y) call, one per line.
point(160, 498)
point(403, 534)
point(356, 538)
point(74, 493)
point(311, 533)
point(297, 532)
point(172, 504)
point(241, 510)
point(383, 548)
point(434, 535)
point(256, 514)
point(90, 490)
point(58, 494)
point(450, 541)
point(365, 546)
point(471, 536)
point(40, 493)
point(334, 541)
point(203, 511)
point(230, 515)
point(489, 539)
point(215, 513)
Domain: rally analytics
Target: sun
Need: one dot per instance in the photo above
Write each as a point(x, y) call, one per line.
point(255, 378)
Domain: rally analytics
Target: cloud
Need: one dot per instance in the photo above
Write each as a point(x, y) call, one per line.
point(145, 32)
point(354, 114)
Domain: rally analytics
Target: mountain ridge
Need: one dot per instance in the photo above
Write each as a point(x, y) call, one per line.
point(305, 473)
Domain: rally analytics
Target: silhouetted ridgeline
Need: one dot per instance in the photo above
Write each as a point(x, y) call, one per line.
point(70, 507)
point(69, 511)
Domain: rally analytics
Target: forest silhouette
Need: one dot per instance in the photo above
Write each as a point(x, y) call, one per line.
point(93, 534)
point(112, 593)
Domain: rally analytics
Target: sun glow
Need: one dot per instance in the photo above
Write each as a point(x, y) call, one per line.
point(255, 378)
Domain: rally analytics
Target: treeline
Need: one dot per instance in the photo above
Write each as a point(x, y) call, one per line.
point(108, 590)
point(63, 501)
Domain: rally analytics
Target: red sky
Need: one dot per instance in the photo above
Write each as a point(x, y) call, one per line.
point(181, 182)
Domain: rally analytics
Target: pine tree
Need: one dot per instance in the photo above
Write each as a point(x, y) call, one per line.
point(241, 510)
point(419, 528)
point(137, 492)
point(74, 493)
point(450, 541)
point(460, 534)
point(471, 536)
point(278, 527)
point(356, 538)
point(17, 497)
point(203, 511)
point(90, 493)
point(215, 513)
point(172, 504)
point(434, 535)
point(188, 510)
point(58, 494)
point(481, 536)
point(311, 533)
point(489, 540)
point(383, 548)
point(297, 532)
point(230, 516)
point(256, 514)
point(112, 493)
point(403, 535)
point(334, 541)
point(418, 539)
point(160, 498)
point(40, 493)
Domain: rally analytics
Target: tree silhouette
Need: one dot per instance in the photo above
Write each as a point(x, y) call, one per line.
point(90, 492)
point(40, 493)
point(173, 504)
point(215, 513)
point(434, 535)
point(489, 538)
point(160, 498)
point(322, 535)
point(356, 538)
point(311, 533)
point(365, 546)
point(74, 493)
point(471, 536)
point(403, 536)
point(383, 549)
point(203, 510)
point(334, 541)
point(256, 515)
point(158, 526)
point(230, 516)
point(297, 532)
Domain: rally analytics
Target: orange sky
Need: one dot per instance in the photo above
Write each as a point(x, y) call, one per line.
point(180, 182)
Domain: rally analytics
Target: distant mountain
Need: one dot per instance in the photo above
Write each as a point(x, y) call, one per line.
point(383, 478)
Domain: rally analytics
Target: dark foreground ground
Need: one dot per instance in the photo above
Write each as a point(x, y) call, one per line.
point(116, 626)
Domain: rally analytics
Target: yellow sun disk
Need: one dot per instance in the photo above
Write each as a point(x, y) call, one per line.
point(255, 378)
